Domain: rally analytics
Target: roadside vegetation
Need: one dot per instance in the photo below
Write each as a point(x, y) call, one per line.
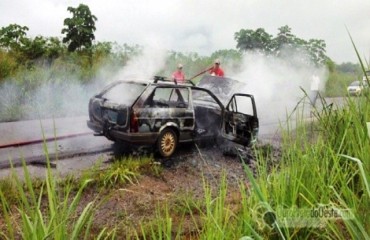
point(52, 208)
point(324, 165)
point(38, 66)
point(340, 76)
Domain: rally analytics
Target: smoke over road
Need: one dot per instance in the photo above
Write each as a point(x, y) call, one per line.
point(144, 66)
point(42, 93)
point(276, 83)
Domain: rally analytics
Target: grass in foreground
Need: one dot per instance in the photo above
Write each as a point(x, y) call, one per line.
point(52, 213)
point(319, 190)
point(283, 201)
point(329, 174)
point(51, 208)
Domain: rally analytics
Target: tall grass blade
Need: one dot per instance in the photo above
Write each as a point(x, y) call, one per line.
point(362, 171)
point(82, 220)
point(6, 214)
point(259, 193)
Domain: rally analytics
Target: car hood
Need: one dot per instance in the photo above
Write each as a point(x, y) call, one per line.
point(222, 87)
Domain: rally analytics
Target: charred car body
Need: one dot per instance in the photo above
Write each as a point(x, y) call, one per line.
point(163, 114)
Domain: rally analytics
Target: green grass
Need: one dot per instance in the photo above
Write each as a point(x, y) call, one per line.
point(330, 172)
point(323, 163)
point(122, 171)
point(51, 208)
point(337, 83)
point(52, 213)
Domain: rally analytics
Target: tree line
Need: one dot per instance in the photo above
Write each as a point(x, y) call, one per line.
point(18, 51)
point(312, 50)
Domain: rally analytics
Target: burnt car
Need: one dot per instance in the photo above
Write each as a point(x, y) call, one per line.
point(163, 114)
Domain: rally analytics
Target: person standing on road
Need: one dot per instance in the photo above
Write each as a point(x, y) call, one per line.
point(315, 86)
point(217, 70)
point(178, 76)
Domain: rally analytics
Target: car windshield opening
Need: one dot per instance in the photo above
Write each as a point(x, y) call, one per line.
point(124, 93)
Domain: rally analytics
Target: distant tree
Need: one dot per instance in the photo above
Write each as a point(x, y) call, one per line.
point(349, 67)
point(54, 48)
point(11, 36)
point(313, 49)
point(133, 50)
point(227, 54)
point(316, 50)
point(231, 59)
point(123, 53)
point(102, 48)
point(248, 39)
point(80, 28)
point(33, 48)
point(102, 51)
point(283, 38)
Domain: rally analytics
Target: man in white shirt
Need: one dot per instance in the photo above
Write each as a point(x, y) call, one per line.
point(315, 86)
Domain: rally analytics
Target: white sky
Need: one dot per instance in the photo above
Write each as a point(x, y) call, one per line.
point(203, 26)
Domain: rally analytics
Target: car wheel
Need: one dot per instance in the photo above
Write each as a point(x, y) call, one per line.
point(167, 142)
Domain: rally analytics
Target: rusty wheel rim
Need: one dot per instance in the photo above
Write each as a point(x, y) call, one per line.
point(168, 143)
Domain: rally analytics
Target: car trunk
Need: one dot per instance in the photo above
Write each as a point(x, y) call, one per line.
point(106, 112)
point(116, 114)
point(111, 108)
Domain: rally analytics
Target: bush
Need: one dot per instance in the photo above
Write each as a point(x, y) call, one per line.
point(337, 83)
point(8, 65)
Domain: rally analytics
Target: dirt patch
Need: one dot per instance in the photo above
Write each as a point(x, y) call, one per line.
point(182, 180)
point(179, 188)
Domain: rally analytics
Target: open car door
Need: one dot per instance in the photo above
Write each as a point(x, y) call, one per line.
point(240, 122)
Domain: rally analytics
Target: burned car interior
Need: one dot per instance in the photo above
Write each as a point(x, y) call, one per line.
point(207, 113)
point(163, 114)
point(241, 118)
point(168, 97)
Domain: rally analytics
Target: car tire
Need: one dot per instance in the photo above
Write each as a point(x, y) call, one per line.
point(167, 142)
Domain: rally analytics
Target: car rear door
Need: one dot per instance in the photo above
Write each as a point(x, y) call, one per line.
point(240, 121)
point(167, 106)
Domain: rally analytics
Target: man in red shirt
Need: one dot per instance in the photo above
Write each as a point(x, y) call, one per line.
point(216, 70)
point(178, 76)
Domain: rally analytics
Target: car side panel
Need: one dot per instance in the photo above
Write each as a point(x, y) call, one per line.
point(152, 120)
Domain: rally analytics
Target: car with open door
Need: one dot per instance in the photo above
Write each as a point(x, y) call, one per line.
point(163, 114)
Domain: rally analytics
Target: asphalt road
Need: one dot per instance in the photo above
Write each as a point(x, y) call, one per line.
point(68, 149)
point(69, 155)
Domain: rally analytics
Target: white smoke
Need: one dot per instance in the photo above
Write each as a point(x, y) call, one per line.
point(276, 83)
point(144, 66)
point(61, 95)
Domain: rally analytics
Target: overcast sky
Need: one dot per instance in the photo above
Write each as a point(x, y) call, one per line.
point(203, 26)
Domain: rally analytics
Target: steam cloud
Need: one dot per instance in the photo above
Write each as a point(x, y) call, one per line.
point(276, 83)
point(145, 66)
point(64, 96)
